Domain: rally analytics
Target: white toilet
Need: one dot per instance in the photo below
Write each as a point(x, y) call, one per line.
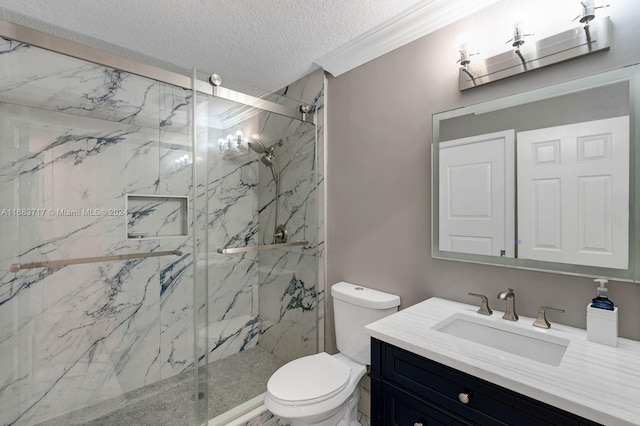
point(322, 389)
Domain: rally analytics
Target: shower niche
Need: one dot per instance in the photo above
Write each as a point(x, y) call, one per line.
point(157, 216)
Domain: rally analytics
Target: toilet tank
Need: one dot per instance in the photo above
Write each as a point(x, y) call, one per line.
point(354, 307)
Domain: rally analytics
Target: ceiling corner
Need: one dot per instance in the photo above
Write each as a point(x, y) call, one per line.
point(417, 21)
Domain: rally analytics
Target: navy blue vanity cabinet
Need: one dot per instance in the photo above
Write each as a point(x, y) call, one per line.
point(408, 390)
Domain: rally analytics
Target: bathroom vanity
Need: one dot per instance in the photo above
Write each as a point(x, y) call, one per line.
point(440, 362)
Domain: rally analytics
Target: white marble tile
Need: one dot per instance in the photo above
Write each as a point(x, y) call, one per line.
point(175, 109)
point(576, 385)
point(233, 305)
point(86, 136)
point(288, 304)
point(297, 201)
point(233, 200)
point(289, 293)
point(87, 327)
point(175, 166)
point(310, 90)
point(85, 383)
point(82, 137)
point(176, 313)
point(307, 90)
point(38, 78)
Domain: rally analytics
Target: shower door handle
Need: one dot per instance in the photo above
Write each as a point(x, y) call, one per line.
point(234, 250)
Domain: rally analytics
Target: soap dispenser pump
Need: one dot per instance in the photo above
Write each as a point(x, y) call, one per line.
point(601, 301)
point(602, 317)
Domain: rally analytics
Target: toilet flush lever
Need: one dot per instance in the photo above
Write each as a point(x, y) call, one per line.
point(484, 304)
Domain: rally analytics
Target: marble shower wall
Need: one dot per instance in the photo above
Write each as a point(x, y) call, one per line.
point(232, 222)
point(292, 280)
point(267, 298)
point(75, 138)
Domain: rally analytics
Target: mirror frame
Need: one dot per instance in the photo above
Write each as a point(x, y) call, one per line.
point(630, 74)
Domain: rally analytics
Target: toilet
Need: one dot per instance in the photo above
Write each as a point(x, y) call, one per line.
point(322, 389)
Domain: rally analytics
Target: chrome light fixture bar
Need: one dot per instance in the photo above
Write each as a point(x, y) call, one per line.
point(574, 43)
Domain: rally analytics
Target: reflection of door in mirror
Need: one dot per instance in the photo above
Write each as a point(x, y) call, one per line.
point(573, 193)
point(476, 196)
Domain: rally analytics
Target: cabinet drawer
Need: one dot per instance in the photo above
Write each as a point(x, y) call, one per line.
point(441, 386)
point(403, 409)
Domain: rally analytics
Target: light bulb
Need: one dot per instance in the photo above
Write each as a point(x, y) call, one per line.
point(588, 11)
point(518, 35)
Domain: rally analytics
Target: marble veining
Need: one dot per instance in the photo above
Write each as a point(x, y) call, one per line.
point(46, 80)
point(78, 137)
point(594, 381)
point(288, 304)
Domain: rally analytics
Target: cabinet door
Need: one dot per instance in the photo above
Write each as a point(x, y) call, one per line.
point(402, 409)
point(410, 386)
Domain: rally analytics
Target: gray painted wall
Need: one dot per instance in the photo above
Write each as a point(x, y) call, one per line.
point(378, 175)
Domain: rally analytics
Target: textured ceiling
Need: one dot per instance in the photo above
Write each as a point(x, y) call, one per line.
point(262, 43)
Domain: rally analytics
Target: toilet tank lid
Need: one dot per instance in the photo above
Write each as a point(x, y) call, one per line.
point(363, 296)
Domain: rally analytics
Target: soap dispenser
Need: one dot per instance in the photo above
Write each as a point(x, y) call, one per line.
point(602, 317)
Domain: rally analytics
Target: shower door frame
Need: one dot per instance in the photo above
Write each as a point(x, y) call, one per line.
point(22, 34)
point(19, 33)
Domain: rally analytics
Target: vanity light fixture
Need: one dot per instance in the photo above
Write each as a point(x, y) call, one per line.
point(233, 143)
point(183, 161)
point(518, 40)
point(588, 14)
point(570, 44)
point(465, 60)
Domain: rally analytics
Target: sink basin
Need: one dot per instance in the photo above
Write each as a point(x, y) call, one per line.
point(506, 337)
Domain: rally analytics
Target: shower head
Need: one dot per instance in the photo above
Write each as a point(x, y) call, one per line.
point(257, 146)
point(269, 157)
point(267, 160)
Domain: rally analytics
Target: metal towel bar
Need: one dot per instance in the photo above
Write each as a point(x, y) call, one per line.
point(55, 263)
point(234, 250)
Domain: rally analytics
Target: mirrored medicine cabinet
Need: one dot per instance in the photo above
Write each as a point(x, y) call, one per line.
point(542, 180)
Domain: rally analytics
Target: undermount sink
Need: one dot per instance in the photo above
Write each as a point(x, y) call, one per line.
point(506, 337)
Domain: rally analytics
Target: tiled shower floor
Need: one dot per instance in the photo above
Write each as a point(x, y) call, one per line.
point(232, 381)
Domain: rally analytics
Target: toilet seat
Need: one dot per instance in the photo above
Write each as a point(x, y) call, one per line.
point(309, 380)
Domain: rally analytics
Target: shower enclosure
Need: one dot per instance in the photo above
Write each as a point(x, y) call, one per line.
point(140, 278)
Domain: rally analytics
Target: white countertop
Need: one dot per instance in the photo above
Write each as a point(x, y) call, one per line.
point(597, 382)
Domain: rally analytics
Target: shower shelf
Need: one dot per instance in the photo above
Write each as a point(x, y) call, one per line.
point(234, 250)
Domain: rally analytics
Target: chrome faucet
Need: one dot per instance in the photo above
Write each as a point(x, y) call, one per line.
point(542, 321)
point(510, 311)
point(484, 304)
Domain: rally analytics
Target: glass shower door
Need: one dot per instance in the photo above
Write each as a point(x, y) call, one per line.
point(107, 178)
point(262, 301)
point(95, 179)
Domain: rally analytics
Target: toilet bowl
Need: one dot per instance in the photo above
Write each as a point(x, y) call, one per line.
point(315, 390)
point(323, 389)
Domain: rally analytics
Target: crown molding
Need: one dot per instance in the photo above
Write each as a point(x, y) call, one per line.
point(419, 20)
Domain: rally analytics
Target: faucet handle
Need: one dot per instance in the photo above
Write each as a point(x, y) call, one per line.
point(541, 321)
point(484, 305)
